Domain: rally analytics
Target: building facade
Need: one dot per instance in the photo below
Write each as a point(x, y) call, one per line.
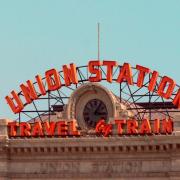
point(126, 157)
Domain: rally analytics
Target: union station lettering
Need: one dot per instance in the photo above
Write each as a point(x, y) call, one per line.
point(69, 128)
point(55, 82)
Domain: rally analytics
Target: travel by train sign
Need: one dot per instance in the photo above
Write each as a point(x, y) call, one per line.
point(53, 81)
point(69, 128)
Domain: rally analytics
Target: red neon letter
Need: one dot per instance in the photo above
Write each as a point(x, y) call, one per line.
point(93, 67)
point(153, 81)
point(41, 85)
point(171, 84)
point(102, 127)
point(37, 130)
point(13, 128)
point(70, 74)
point(176, 100)
point(145, 127)
point(49, 128)
point(125, 74)
point(110, 65)
point(132, 126)
point(29, 91)
point(120, 124)
point(142, 72)
point(167, 126)
point(156, 126)
point(53, 80)
point(62, 128)
point(72, 128)
point(25, 129)
point(19, 105)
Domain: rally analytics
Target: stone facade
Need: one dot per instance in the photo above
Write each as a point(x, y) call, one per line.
point(155, 157)
point(136, 157)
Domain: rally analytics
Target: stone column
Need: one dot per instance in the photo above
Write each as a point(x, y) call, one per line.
point(3, 128)
point(176, 121)
point(4, 149)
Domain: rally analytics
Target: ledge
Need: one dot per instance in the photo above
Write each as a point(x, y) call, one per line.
point(161, 143)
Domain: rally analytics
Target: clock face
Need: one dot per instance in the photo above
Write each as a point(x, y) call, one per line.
point(94, 110)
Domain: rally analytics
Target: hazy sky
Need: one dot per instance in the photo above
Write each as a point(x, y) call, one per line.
point(37, 35)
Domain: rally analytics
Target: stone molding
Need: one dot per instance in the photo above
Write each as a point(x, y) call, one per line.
point(92, 145)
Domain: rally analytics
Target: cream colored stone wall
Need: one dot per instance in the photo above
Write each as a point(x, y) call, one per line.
point(125, 158)
point(90, 157)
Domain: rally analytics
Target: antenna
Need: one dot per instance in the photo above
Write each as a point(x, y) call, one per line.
point(98, 28)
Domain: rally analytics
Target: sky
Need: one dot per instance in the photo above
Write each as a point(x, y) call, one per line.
point(37, 35)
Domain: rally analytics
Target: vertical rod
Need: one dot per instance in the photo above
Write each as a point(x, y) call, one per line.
point(120, 89)
point(149, 99)
point(19, 118)
point(120, 93)
point(49, 106)
point(98, 41)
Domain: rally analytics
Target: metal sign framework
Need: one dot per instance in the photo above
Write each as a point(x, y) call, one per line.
point(139, 100)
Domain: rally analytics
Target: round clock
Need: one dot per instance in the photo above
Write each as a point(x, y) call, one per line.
point(93, 111)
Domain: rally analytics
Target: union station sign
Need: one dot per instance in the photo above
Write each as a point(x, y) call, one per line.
point(92, 108)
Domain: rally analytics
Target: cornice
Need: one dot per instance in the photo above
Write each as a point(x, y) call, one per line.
point(137, 144)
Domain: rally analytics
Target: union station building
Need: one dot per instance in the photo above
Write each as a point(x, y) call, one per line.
point(137, 139)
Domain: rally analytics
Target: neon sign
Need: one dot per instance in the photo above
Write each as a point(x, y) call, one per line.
point(69, 128)
point(54, 82)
